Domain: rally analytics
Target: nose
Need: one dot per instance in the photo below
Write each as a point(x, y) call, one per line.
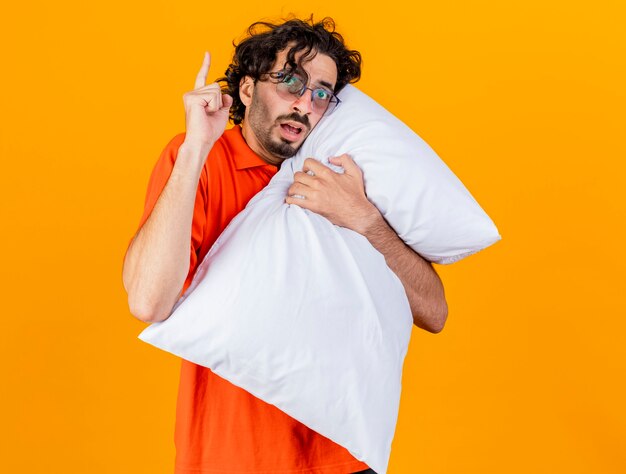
point(303, 103)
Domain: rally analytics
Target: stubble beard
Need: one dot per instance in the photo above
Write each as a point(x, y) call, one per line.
point(259, 116)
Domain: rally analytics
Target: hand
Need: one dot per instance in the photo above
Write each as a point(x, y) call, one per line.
point(206, 109)
point(340, 197)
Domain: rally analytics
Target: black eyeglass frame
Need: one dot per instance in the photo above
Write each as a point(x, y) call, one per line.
point(284, 74)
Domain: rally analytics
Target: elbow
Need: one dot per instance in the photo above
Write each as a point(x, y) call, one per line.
point(438, 326)
point(440, 314)
point(436, 322)
point(147, 313)
point(147, 305)
point(142, 313)
point(146, 309)
point(440, 320)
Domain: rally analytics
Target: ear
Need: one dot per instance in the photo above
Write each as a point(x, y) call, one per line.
point(246, 90)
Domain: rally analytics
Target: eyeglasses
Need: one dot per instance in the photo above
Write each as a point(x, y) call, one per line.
point(290, 85)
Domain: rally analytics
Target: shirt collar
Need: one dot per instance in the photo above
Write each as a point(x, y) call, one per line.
point(244, 156)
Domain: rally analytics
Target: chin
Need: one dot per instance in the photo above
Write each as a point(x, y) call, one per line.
point(282, 149)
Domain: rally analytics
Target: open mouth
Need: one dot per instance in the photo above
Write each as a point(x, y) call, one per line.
point(291, 130)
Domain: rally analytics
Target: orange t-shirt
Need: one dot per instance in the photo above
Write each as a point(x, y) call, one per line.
point(221, 428)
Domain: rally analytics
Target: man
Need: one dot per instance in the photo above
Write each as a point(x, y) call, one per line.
point(280, 84)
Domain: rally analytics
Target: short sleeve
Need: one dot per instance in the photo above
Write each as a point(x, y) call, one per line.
point(158, 179)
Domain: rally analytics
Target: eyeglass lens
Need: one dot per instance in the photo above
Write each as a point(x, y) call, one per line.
point(292, 85)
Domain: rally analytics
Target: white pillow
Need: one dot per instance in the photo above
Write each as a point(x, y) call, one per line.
point(421, 198)
point(306, 315)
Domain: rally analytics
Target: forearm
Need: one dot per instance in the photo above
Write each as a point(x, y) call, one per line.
point(157, 261)
point(423, 286)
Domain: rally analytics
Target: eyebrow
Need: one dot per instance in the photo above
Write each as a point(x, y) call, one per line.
point(326, 84)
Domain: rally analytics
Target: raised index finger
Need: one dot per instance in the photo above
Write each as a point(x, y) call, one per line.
point(204, 71)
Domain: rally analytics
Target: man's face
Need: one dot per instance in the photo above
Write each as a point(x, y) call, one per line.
point(266, 115)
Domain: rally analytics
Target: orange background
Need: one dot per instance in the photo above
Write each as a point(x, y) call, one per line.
point(523, 100)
